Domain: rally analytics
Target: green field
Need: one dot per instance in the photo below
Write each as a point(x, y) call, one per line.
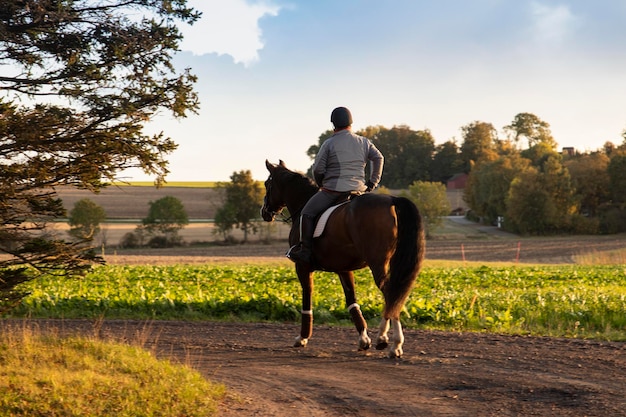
point(570, 301)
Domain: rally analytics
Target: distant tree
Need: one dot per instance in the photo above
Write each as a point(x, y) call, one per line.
point(85, 219)
point(225, 220)
point(80, 79)
point(166, 217)
point(408, 155)
point(591, 181)
point(244, 197)
point(479, 141)
point(446, 162)
point(541, 201)
point(488, 185)
point(531, 128)
point(430, 198)
point(617, 176)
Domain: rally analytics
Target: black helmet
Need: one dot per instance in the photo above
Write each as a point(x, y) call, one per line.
point(341, 117)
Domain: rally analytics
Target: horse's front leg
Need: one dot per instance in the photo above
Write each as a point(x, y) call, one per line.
point(306, 330)
point(347, 282)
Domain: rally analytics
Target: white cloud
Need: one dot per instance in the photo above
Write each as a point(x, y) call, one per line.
point(228, 27)
point(551, 25)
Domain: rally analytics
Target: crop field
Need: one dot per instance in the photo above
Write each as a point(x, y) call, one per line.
point(572, 301)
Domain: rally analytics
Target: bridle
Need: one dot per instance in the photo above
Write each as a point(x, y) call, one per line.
point(274, 213)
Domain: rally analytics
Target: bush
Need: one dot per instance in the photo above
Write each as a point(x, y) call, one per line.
point(130, 240)
point(612, 220)
point(581, 225)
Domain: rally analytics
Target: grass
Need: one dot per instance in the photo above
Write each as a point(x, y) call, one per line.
point(614, 257)
point(564, 300)
point(51, 376)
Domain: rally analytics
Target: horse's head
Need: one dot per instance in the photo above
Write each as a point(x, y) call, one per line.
point(273, 202)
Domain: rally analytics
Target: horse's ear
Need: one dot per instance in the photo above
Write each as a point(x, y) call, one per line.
point(281, 163)
point(270, 167)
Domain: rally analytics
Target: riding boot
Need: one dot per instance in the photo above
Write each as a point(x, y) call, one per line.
point(303, 251)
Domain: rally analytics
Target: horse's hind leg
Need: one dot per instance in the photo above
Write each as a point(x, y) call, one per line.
point(347, 282)
point(383, 334)
point(395, 350)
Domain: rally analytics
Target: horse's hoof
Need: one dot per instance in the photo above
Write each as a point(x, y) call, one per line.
point(365, 344)
point(300, 342)
point(395, 353)
point(382, 345)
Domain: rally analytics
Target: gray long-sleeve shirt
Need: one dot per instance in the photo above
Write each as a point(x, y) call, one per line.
point(341, 160)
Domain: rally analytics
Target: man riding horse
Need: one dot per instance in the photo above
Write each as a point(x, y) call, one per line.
point(339, 171)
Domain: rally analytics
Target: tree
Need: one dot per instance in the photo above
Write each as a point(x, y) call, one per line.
point(532, 128)
point(488, 185)
point(479, 141)
point(431, 199)
point(446, 162)
point(591, 181)
point(85, 219)
point(80, 80)
point(617, 176)
point(244, 197)
point(541, 201)
point(165, 218)
point(408, 155)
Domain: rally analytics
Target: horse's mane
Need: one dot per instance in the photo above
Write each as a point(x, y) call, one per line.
point(298, 180)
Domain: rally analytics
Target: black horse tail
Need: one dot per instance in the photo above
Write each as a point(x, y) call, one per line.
point(406, 261)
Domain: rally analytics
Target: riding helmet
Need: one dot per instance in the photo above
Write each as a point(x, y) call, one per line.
point(341, 117)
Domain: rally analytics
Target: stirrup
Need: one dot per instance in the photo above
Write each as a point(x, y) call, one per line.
point(288, 254)
point(299, 253)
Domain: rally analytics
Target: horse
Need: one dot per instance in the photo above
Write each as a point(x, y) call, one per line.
point(383, 232)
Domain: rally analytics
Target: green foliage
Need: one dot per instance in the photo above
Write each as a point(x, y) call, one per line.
point(165, 218)
point(590, 179)
point(479, 142)
point(85, 219)
point(446, 162)
point(578, 301)
point(527, 126)
point(432, 202)
point(244, 197)
point(408, 154)
point(82, 83)
point(541, 201)
point(489, 182)
point(617, 175)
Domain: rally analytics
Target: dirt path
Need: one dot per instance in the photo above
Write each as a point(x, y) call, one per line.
point(441, 373)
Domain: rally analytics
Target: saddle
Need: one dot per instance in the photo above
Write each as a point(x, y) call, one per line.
point(323, 218)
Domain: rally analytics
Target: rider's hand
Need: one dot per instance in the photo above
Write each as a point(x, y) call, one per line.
point(370, 186)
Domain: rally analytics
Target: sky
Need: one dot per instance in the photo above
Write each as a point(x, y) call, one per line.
point(270, 72)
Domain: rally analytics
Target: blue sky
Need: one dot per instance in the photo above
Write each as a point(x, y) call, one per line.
point(270, 72)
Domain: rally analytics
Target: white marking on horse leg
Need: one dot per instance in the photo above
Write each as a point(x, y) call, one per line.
point(395, 351)
point(300, 342)
point(383, 337)
point(364, 340)
point(305, 331)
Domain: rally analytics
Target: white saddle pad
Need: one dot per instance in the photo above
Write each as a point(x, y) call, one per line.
point(321, 223)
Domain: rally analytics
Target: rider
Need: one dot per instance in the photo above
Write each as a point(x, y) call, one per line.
point(339, 170)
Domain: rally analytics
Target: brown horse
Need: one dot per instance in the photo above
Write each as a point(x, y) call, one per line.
point(383, 232)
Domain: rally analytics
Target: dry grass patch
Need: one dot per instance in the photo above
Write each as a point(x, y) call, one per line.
point(53, 376)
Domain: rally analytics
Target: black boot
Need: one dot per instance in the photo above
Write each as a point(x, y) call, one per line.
point(302, 252)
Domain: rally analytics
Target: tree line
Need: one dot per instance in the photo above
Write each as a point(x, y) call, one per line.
point(522, 178)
